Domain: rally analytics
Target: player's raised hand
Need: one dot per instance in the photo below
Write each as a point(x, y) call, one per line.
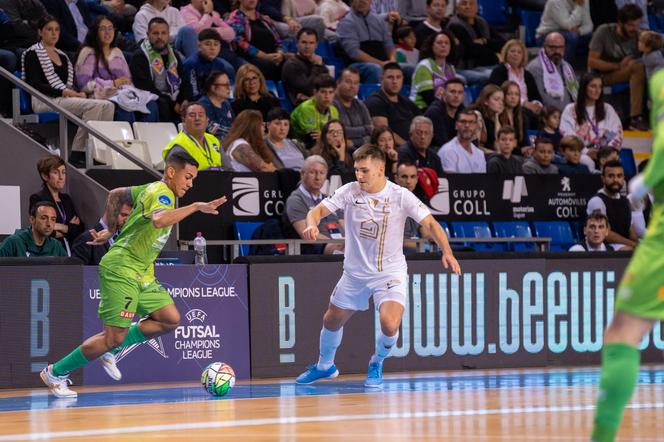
point(99, 238)
point(449, 261)
point(211, 206)
point(310, 232)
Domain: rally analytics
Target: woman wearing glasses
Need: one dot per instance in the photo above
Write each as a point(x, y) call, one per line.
point(251, 93)
point(217, 104)
point(332, 147)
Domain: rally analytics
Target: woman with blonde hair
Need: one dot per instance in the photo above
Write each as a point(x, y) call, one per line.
point(513, 68)
point(250, 91)
point(244, 146)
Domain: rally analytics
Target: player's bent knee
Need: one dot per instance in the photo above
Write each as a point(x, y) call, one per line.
point(113, 340)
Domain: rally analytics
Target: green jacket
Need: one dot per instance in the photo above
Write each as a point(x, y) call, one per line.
point(305, 118)
point(206, 157)
point(21, 244)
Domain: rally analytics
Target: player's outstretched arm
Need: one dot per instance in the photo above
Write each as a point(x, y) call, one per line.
point(313, 219)
point(438, 234)
point(168, 217)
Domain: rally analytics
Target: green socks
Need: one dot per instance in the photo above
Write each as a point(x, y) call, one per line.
point(134, 336)
point(75, 359)
point(620, 369)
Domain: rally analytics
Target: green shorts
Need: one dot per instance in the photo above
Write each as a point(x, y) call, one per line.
point(641, 291)
point(123, 297)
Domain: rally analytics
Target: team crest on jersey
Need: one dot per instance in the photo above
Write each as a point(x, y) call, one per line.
point(165, 200)
point(369, 229)
point(373, 202)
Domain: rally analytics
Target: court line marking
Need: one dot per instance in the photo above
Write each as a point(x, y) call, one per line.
point(308, 419)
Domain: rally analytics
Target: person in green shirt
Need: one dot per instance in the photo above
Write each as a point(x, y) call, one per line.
point(311, 115)
point(640, 295)
point(36, 240)
point(126, 273)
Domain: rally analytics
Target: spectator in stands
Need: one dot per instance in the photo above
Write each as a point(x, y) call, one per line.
point(418, 148)
point(36, 240)
point(595, 231)
point(157, 67)
point(388, 108)
point(102, 73)
point(503, 162)
point(540, 162)
point(515, 59)
point(643, 5)
point(571, 18)
point(217, 104)
point(434, 69)
point(251, 93)
point(554, 77)
point(383, 137)
point(300, 71)
point(460, 155)
point(606, 154)
point(550, 126)
point(477, 43)
point(515, 115)
point(591, 119)
point(201, 16)
point(307, 195)
point(443, 111)
point(256, 39)
point(366, 40)
point(613, 54)
point(184, 38)
point(198, 67)
point(407, 53)
point(491, 105)
point(244, 147)
point(407, 176)
point(288, 154)
point(650, 44)
point(332, 11)
point(309, 117)
point(413, 11)
point(24, 15)
point(53, 174)
point(570, 163)
point(8, 62)
point(434, 22)
point(289, 16)
point(610, 202)
point(91, 255)
point(331, 145)
point(353, 113)
point(49, 70)
point(201, 146)
point(74, 19)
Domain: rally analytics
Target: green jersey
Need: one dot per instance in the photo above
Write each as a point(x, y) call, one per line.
point(133, 253)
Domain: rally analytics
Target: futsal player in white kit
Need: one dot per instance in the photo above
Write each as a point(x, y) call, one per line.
point(375, 212)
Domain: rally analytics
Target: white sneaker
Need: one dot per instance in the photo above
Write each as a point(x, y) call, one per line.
point(59, 385)
point(108, 362)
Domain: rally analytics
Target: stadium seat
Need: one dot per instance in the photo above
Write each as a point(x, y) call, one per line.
point(446, 229)
point(560, 233)
point(494, 11)
point(530, 21)
point(283, 97)
point(405, 90)
point(336, 63)
point(476, 229)
point(138, 148)
point(157, 136)
point(115, 130)
point(272, 87)
point(577, 230)
point(325, 49)
point(244, 230)
point(366, 89)
point(22, 104)
point(515, 229)
point(627, 160)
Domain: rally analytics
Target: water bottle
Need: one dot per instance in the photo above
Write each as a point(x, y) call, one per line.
point(200, 247)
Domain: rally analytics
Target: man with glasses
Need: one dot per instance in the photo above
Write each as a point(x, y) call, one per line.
point(554, 77)
point(460, 155)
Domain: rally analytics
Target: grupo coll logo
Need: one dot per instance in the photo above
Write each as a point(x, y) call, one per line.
point(468, 202)
point(246, 196)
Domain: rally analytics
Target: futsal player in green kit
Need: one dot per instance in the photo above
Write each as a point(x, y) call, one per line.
point(126, 273)
point(640, 298)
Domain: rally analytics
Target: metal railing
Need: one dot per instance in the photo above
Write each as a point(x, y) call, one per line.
point(65, 115)
point(293, 246)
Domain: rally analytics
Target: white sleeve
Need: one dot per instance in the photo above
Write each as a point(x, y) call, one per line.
point(338, 200)
point(587, 22)
point(576, 248)
point(568, 124)
point(413, 207)
point(596, 204)
point(448, 158)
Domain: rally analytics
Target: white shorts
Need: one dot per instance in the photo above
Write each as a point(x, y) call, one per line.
point(352, 293)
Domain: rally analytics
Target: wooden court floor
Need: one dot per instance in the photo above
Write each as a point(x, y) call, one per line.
point(478, 405)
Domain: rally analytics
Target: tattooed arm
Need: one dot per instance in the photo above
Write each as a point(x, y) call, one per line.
point(245, 155)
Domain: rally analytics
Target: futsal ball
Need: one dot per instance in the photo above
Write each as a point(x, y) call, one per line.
point(218, 378)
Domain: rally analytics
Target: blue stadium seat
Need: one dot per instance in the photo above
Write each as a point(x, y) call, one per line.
point(559, 232)
point(577, 230)
point(627, 160)
point(476, 229)
point(244, 230)
point(325, 49)
point(405, 90)
point(530, 20)
point(515, 229)
point(25, 106)
point(494, 11)
point(283, 97)
point(337, 63)
point(366, 89)
point(443, 224)
point(272, 87)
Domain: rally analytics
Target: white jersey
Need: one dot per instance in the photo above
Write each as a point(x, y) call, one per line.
point(374, 226)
